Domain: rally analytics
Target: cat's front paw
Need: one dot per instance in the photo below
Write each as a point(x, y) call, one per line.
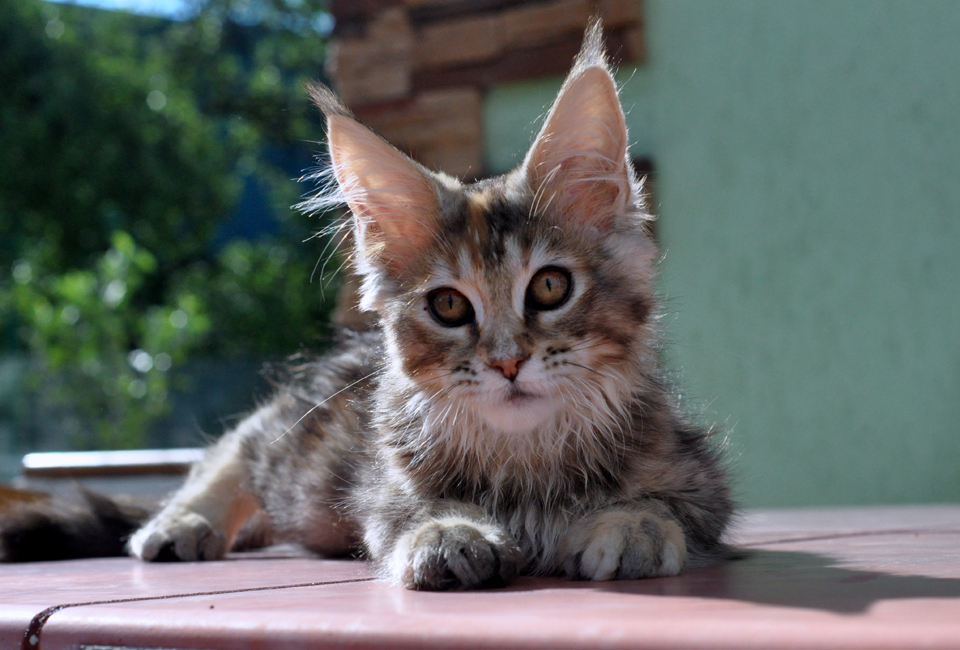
point(178, 534)
point(624, 545)
point(455, 553)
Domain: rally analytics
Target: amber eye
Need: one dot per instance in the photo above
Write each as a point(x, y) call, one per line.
point(450, 307)
point(548, 289)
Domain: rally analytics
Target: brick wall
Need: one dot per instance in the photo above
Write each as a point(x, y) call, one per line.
point(416, 70)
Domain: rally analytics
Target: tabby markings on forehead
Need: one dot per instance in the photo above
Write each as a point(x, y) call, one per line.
point(477, 209)
point(485, 219)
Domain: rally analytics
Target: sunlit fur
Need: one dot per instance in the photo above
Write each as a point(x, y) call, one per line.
point(588, 423)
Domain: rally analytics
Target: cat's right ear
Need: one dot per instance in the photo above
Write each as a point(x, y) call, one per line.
point(393, 199)
point(577, 166)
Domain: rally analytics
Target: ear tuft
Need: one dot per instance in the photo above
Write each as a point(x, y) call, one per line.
point(593, 52)
point(326, 100)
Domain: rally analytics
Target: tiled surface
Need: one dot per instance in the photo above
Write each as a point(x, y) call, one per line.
point(770, 525)
point(53, 583)
point(866, 578)
point(26, 590)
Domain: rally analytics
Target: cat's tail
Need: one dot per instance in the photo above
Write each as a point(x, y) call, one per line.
point(51, 530)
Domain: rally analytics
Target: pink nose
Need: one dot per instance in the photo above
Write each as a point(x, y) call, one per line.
point(509, 368)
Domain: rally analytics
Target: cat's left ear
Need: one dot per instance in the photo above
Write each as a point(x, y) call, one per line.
point(577, 167)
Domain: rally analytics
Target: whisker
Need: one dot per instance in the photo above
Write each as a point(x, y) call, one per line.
point(578, 365)
point(316, 406)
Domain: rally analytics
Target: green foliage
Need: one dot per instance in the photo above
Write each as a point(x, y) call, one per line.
point(125, 142)
point(104, 361)
point(82, 153)
point(265, 299)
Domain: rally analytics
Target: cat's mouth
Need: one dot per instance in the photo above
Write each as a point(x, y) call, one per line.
point(517, 395)
point(518, 411)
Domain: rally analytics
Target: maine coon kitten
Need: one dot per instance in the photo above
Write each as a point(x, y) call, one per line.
point(510, 415)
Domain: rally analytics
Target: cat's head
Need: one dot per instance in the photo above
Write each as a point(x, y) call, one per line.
point(516, 301)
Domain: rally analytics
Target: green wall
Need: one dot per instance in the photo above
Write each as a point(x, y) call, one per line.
point(808, 181)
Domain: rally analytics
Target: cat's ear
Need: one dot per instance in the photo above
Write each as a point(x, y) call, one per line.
point(393, 199)
point(577, 167)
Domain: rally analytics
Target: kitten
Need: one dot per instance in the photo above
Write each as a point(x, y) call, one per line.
point(510, 415)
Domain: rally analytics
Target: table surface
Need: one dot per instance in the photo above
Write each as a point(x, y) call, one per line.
point(814, 578)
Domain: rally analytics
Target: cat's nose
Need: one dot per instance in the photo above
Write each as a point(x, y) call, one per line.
point(509, 368)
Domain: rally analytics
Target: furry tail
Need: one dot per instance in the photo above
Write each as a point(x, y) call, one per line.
point(99, 527)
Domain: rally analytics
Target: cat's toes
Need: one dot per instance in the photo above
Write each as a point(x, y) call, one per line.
point(178, 535)
point(625, 545)
point(455, 554)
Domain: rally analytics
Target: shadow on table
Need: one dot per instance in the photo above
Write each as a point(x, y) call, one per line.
point(788, 579)
point(767, 577)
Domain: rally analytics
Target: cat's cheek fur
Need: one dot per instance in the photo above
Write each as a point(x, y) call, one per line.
point(424, 349)
point(624, 545)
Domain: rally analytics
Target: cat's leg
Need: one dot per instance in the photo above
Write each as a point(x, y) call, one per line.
point(203, 517)
point(447, 546)
point(624, 543)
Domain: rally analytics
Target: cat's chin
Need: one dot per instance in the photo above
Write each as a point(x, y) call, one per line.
point(518, 412)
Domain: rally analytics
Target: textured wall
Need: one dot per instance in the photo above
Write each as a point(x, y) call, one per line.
point(808, 159)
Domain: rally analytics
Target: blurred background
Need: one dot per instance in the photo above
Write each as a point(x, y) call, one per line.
point(151, 261)
point(804, 161)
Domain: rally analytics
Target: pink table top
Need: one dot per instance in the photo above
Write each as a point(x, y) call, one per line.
point(819, 578)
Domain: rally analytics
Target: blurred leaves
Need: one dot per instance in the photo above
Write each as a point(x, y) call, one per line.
point(82, 153)
point(104, 360)
point(263, 297)
point(126, 145)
